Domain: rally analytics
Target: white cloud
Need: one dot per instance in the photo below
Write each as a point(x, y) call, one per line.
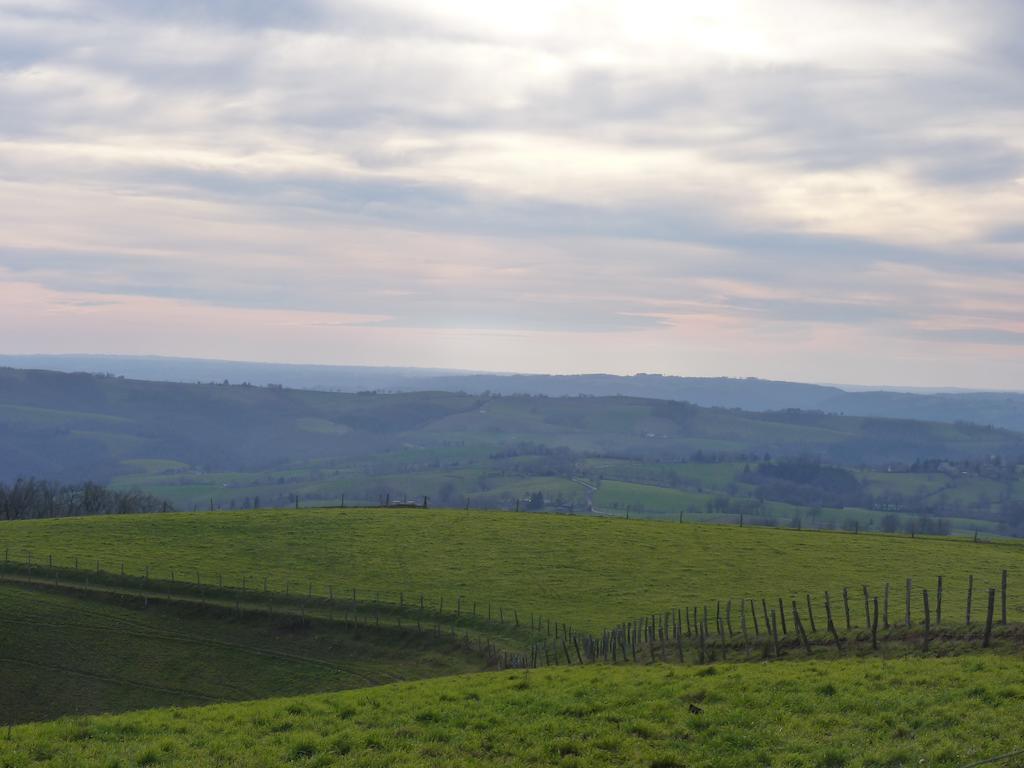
point(765, 173)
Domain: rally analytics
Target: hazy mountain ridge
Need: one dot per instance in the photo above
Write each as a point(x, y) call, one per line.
point(84, 426)
point(1000, 409)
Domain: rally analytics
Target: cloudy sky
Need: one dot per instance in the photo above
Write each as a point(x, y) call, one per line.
point(823, 191)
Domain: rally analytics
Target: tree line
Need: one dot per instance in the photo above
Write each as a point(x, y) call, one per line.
point(31, 498)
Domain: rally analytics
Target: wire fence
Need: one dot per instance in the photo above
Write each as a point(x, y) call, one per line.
point(701, 633)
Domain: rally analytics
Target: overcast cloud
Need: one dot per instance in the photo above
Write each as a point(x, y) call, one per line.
point(804, 190)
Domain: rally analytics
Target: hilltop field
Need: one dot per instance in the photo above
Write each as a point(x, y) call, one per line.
point(589, 572)
point(76, 641)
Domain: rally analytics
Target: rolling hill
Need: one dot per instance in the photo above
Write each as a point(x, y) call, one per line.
point(75, 652)
point(588, 572)
point(64, 653)
point(1000, 409)
point(86, 427)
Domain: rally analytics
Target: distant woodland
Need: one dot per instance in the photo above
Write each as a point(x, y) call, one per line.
point(30, 498)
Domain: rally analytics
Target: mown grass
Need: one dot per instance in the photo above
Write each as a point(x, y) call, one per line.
point(855, 712)
point(589, 572)
point(64, 654)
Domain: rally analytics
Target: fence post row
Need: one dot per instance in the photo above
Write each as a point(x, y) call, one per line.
point(656, 630)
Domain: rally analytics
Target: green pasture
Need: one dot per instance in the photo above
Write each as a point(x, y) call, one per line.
point(855, 713)
point(70, 654)
point(587, 571)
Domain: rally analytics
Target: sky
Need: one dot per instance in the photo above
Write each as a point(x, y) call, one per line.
point(816, 191)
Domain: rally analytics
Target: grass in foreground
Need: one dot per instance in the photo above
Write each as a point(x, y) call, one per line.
point(61, 654)
point(589, 572)
point(914, 712)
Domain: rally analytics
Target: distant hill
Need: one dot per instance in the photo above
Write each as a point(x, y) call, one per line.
point(72, 427)
point(341, 378)
point(999, 409)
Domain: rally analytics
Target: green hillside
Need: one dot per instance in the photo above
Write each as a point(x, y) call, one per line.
point(63, 654)
point(61, 425)
point(639, 500)
point(203, 446)
point(589, 572)
point(849, 713)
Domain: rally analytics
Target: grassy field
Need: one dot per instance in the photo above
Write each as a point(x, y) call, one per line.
point(64, 654)
point(856, 712)
point(647, 501)
point(231, 445)
point(589, 572)
point(657, 487)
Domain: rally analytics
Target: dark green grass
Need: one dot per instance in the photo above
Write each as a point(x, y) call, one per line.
point(849, 713)
point(62, 654)
point(589, 572)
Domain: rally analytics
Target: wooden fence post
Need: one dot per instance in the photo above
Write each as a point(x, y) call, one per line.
point(970, 596)
point(782, 617)
point(775, 635)
point(743, 629)
point(988, 617)
point(927, 620)
point(810, 613)
point(831, 624)
point(874, 628)
point(753, 615)
point(800, 629)
point(867, 607)
point(885, 607)
point(721, 639)
point(846, 607)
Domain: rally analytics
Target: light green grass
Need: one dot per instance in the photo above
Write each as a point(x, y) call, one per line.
point(590, 572)
point(842, 714)
point(65, 653)
point(618, 495)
